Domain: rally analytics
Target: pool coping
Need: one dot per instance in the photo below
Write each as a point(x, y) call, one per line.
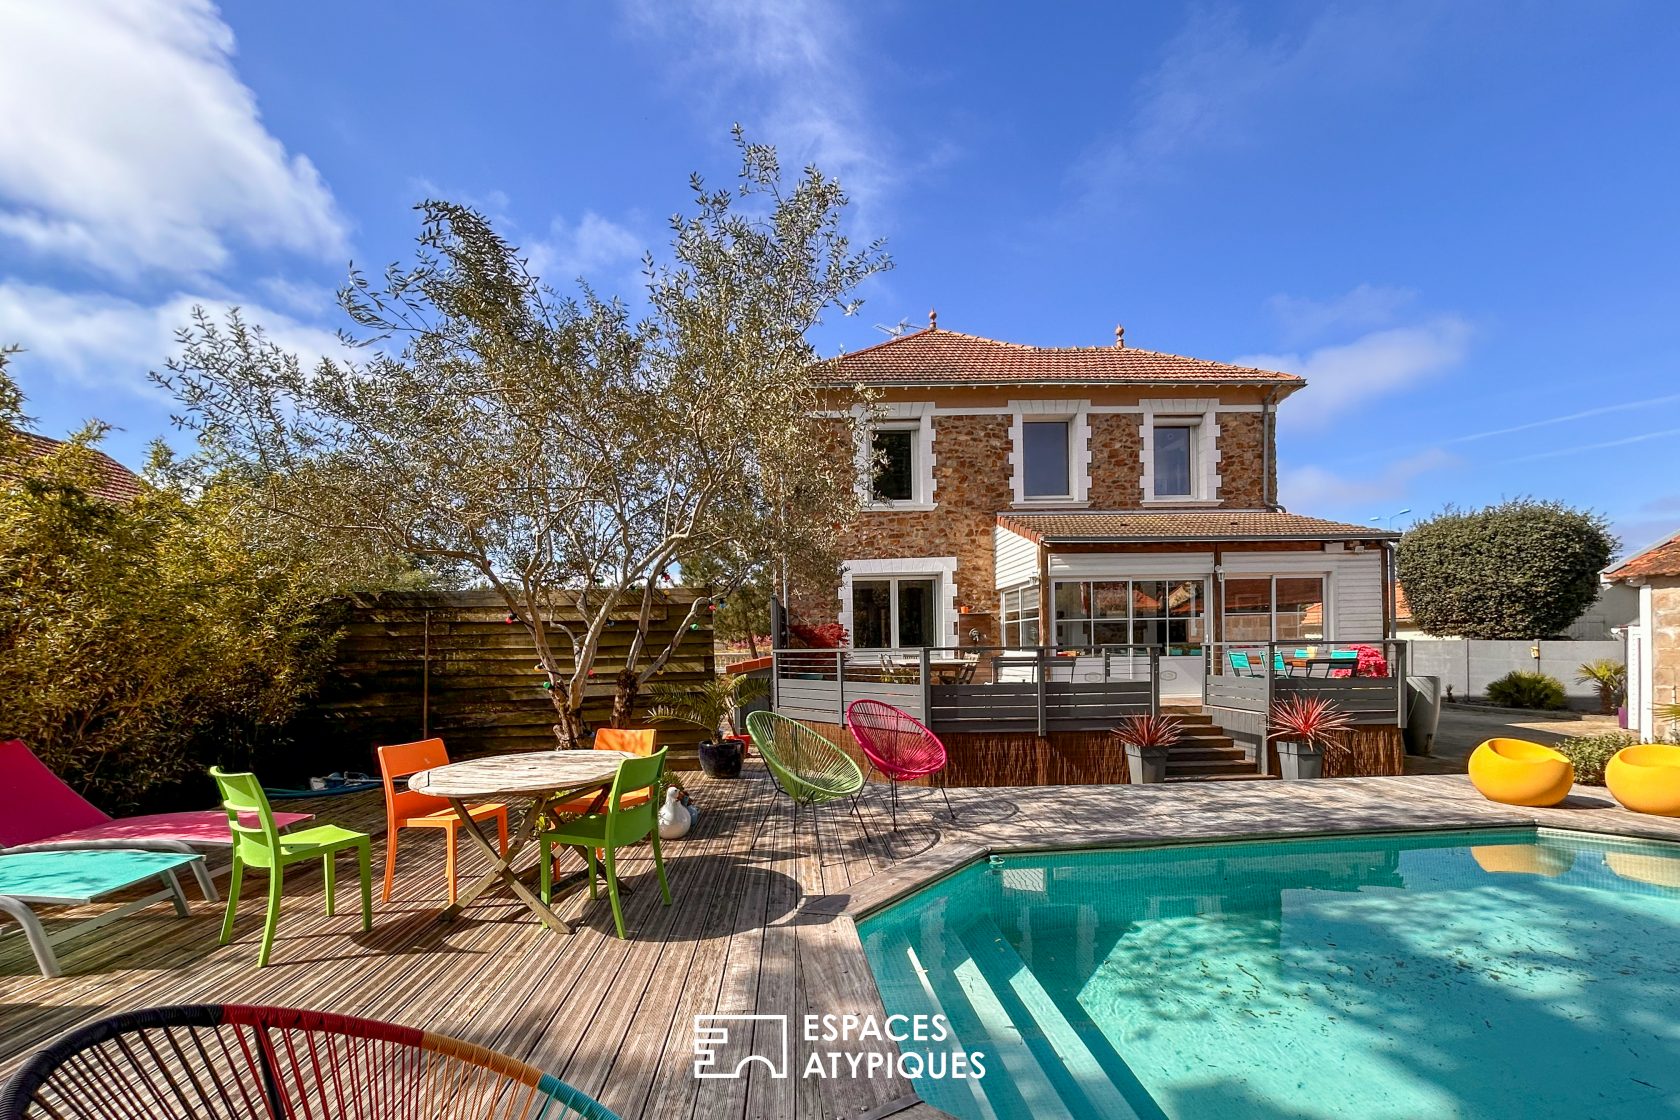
point(1327, 807)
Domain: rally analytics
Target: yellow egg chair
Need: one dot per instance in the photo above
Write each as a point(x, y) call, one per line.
point(1517, 772)
point(1646, 779)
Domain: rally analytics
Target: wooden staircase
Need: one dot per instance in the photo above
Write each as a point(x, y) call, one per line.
point(1205, 753)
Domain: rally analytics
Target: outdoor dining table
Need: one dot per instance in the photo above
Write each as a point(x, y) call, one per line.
point(537, 777)
point(1329, 663)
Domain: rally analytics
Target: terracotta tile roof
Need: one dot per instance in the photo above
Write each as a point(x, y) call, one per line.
point(1658, 560)
point(1176, 525)
point(116, 482)
point(934, 356)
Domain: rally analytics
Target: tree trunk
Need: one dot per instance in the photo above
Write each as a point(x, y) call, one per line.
point(624, 700)
point(569, 728)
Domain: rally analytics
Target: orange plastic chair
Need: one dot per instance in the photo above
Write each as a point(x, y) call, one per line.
point(406, 808)
point(635, 740)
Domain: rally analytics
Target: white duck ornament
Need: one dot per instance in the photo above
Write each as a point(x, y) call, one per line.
point(675, 818)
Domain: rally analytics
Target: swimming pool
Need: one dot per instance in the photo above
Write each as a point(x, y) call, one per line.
point(1482, 973)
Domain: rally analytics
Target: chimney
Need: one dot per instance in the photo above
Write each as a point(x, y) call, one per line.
point(1119, 336)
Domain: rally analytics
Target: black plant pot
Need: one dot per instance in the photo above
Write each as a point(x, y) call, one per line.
point(722, 759)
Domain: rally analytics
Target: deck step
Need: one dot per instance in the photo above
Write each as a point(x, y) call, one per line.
point(1203, 753)
point(1233, 777)
point(1212, 766)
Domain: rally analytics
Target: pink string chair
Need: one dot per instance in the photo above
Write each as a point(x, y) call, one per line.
point(898, 745)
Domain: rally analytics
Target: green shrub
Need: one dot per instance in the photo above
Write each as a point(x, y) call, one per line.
point(142, 641)
point(1527, 690)
point(1590, 753)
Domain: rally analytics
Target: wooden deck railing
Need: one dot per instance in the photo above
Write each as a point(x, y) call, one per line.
point(1252, 676)
point(973, 688)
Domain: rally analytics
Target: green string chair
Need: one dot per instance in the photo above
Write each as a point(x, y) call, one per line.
point(807, 767)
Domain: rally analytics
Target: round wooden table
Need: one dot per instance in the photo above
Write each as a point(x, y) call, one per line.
point(538, 777)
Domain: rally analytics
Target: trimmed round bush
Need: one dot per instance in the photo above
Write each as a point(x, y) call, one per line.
point(1528, 690)
point(1589, 754)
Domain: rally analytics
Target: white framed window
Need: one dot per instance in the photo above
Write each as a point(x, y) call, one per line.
point(1170, 614)
point(896, 457)
point(1050, 452)
point(899, 603)
point(1181, 451)
point(1019, 616)
point(1175, 456)
point(1275, 608)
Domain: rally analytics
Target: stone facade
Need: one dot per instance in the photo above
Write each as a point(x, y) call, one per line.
point(1665, 643)
point(1116, 460)
point(1242, 459)
point(973, 484)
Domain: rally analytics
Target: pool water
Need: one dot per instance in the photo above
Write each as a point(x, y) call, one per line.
point(1486, 973)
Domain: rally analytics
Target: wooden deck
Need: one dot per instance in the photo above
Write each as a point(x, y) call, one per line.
point(761, 924)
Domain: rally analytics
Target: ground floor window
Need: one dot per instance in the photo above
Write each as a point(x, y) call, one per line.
point(894, 612)
point(1274, 609)
point(1020, 617)
point(1169, 614)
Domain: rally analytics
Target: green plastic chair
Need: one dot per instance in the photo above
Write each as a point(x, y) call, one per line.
point(263, 845)
point(619, 826)
point(806, 766)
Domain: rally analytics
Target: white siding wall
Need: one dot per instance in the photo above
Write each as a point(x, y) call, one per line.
point(1015, 558)
point(1151, 565)
point(1355, 585)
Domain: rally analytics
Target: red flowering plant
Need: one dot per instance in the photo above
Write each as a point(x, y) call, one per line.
point(828, 635)
point(1149, 731)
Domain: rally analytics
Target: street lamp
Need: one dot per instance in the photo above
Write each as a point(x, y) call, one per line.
point(1391, 517)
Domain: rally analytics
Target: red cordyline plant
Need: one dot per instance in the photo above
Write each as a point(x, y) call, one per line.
point(1309, 719)
point(1149, 731)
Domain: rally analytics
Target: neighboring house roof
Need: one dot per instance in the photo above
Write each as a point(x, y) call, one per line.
point(932, 356)
point(1659, 560)
point(116, 482)
point(1182, 525)
point(1402, 609)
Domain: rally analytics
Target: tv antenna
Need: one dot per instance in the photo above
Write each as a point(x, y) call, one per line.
point(899, 328)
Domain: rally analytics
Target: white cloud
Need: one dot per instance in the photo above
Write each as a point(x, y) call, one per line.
point(1218, 86)
point(1342, 377)
point(1315, 488)
point(104, 341)
point(593, 248)
point(1363, 308)
point(130, 145)
point(790, 61)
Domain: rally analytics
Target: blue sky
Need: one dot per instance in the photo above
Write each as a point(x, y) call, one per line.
point(1459, 221)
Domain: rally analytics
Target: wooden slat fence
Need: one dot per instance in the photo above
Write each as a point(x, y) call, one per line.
point(449, 662)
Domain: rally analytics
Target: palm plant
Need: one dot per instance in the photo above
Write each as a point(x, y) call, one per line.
point(1309, 719)
point(708, 704)
point(1609, 677)
point(1149, 731)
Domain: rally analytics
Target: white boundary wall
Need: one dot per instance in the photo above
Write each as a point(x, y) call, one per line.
point(1469, 665)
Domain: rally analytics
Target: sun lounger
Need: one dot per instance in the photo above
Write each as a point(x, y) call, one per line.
point(39, 812)
point(75, 878)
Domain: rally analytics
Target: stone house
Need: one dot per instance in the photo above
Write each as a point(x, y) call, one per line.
point(1085, 496)
point(1653, 642)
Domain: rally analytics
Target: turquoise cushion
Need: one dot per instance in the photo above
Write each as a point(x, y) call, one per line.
point(80, 876)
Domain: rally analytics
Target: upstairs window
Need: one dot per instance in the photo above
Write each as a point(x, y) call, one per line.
point(1044, 450)
point(895, 464)
point(1175, 459)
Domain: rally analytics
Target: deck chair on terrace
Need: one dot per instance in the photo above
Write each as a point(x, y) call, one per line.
point(38, 812)
point(66, 877)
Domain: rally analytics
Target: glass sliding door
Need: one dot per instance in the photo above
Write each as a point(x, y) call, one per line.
point(1274, 609)
point(1169, 614)
point(896, 612)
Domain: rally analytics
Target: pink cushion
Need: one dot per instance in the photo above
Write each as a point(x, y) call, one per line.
point(36, 806)
point(206, 826)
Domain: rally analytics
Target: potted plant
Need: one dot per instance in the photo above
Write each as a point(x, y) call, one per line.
point(1305, 727)
point(710, 705)
point(1610, 678)
point(1147, 740)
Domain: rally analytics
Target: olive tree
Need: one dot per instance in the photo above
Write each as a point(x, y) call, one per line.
point(561, 451)
point(1520, 569)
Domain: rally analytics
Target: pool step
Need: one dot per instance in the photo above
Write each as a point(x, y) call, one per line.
point(1059, 1068)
